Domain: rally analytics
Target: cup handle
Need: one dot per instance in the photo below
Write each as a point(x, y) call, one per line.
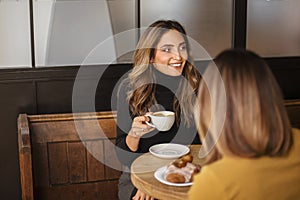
point(148, 123)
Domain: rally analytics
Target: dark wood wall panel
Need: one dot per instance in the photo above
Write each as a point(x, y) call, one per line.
point(16, 97)
point(287, 72)
point(54, 96)
point(105, 94)
point(94, 91)
point(289, 81)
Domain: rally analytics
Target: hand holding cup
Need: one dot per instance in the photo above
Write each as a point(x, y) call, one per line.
point(139, 127)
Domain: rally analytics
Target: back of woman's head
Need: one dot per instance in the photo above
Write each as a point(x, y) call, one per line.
point(256, 122)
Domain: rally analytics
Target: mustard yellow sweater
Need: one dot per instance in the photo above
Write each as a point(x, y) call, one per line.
point(256, 179)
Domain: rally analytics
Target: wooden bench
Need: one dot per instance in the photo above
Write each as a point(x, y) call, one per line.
point(67, 156)
point(293, 110)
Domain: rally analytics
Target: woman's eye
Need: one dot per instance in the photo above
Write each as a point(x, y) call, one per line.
point(182, 48)
point(166, 49)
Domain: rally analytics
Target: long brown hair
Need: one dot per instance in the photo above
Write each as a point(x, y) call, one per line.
point(141, 94)
point(256, 122)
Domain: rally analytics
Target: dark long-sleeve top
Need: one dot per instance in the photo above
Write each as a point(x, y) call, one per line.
point(166, 87)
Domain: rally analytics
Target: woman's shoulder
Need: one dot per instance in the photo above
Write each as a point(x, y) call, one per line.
point(296, 132)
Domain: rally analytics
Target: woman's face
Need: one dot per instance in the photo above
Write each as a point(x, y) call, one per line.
point(171, 54)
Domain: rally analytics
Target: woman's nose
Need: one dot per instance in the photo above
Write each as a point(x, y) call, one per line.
point(177, 55)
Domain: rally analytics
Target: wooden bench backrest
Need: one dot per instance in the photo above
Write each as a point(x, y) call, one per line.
point(54, 160)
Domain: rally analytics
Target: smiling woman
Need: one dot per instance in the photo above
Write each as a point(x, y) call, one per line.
point(163, 78)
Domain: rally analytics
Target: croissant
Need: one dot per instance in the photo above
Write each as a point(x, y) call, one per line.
point(182, 170)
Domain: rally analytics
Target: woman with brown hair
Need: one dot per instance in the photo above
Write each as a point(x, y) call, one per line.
point(163, 78)
point(251, 151)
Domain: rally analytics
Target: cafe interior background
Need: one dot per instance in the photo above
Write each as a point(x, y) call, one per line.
point(45, 42)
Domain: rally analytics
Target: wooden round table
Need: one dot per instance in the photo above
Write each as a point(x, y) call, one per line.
point(142, 176)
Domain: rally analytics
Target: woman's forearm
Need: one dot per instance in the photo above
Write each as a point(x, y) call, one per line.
point(132, 141)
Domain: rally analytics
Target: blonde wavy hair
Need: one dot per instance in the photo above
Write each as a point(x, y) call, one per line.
point(141, 94)
point(256, 122)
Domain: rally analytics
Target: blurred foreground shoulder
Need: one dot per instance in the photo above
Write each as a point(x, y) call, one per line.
point(206, 186)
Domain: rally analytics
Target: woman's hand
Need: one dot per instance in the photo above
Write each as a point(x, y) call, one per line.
point(138, 129)
point(142, 196)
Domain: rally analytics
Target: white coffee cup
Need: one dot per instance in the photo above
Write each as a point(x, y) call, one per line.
point(161, 120)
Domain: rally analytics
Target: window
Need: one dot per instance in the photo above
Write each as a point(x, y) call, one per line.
point(273, 27)
point(207, 22)
point(82, 32)
point(15, 51)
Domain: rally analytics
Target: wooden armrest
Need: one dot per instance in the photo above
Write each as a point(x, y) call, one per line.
point(25, 157)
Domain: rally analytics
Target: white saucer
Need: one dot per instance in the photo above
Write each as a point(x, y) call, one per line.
point(159, 175)
point(169, 150)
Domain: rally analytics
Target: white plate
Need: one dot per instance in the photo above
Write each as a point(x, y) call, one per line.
point(159, 175)
point(169, 150)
